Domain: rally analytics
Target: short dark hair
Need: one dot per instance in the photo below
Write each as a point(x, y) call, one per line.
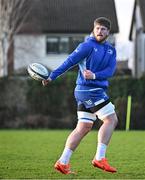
point(103, 21)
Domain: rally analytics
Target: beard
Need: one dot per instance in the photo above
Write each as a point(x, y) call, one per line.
point(100, 38)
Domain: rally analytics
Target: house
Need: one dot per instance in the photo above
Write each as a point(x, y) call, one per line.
point(122, 68)
point(54, 28)
point(137, 35)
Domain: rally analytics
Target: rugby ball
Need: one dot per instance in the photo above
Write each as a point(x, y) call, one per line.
point(38, 71)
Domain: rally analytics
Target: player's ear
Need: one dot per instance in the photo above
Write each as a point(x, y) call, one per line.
point(108, 32)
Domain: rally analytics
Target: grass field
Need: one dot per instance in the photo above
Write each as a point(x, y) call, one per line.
point(31, 154)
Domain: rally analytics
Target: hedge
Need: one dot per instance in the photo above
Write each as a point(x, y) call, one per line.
point(25, 103)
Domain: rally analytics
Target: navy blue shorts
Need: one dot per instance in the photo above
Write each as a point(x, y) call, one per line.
point(90, 97)
point(92, 103)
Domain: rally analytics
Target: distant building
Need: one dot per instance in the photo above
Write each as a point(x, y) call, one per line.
point(122, 68)
point(137, 34)
point(54, 28)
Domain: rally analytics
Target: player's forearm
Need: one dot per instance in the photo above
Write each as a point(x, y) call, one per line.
point(104, 74)
point(61, 69)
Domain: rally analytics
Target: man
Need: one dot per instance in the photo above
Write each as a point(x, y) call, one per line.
point(96, 59)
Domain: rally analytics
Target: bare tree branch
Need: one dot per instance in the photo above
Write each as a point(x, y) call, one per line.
point(13, 13)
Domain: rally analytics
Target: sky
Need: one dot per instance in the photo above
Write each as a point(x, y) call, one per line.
point(124, 9)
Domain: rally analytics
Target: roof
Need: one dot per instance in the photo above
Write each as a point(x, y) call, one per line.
point(141, 4)
point(68, 16)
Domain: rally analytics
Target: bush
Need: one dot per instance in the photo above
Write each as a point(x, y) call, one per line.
point(26, 103)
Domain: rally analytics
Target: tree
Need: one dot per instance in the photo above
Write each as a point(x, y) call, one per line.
point(13, 14)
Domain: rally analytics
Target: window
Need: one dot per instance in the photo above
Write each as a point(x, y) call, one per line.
point(74, 42)
point(52, 45)
point(62, 45)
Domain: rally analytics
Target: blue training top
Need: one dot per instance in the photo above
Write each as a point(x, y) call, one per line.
point(100, 58)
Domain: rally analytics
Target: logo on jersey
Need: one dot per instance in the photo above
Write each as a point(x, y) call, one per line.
point(95, 49)
point(89, 102)
point(76, 50)
point(110, 51)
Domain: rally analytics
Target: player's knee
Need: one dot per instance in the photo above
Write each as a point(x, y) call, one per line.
point(114, 119)
point(84, 128)
point(87, 128)
point(111, 119)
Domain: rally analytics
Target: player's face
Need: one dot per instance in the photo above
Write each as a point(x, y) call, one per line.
point(100, 32)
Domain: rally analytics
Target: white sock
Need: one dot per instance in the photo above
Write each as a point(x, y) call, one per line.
point(65, 157)
point(101, 151)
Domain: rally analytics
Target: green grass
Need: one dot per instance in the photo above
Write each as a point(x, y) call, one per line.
point(31, 155)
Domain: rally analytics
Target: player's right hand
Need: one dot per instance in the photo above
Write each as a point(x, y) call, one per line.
point(88, 74)
point(46, 82)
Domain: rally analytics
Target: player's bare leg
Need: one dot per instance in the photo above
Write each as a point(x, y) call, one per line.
point(107, 128)
point(104, 136)
point(72, 142)
point(74, 139)
point(77, 134)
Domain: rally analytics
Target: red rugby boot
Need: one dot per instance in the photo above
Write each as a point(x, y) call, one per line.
point(104, 165)
point(63, 168)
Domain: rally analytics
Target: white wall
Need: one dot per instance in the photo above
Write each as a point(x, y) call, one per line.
point(132, 62)
point(140, 43)
point(138, 17)
point(30, 48)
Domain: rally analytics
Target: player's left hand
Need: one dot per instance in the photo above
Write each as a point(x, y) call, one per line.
point(46, 82)
point(88, 74)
